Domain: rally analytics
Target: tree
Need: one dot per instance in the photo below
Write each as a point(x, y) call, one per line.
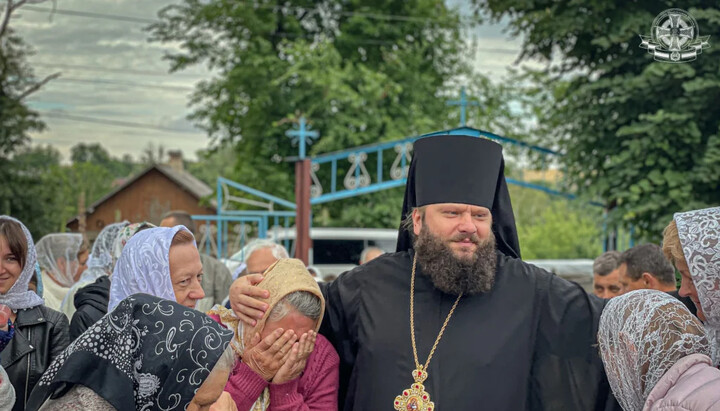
point(555, 228)
point(96, 154)
point(358, 73)
point(89, 153)
point(641, 135)
point(17, 83)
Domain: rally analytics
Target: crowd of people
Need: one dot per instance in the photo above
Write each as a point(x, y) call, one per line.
point(453, 320)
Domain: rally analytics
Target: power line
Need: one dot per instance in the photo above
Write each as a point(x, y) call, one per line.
point(123, 83)
point(112, 69)
point(78, 13)
point(369, 41)
point(145, 20)
point(108, 122)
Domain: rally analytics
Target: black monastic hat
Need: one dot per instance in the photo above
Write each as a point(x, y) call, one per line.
point(465, 170)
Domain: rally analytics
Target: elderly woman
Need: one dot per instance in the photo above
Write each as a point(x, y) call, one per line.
point(161, 261)
point(147, 354)
point(91, 302)
point(62, 258)
point(40, 333)
point(285, 364)
point(692, 243)
point(99, 264)
point(656, 354)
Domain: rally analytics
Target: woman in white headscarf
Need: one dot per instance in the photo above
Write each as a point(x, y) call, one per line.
point(161, 261)
point(656, 354)
point(62, 258)
point(91, 301)
point(100, 263)
point(692, 243)
point(40, 334)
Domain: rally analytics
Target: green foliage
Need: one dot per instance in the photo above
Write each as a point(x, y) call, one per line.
point(96, 154)
point(555, 228)
point(641, 135)
point(357, 79)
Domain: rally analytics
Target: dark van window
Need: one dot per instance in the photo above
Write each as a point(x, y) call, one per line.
point(337, 251)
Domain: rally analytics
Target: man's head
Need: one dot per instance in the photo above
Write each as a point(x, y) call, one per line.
point(460, 171)
point(178, 217)
point(455, 246)
point(606, 280)
point(645, 267)
point(370, 253)
point(261, 254)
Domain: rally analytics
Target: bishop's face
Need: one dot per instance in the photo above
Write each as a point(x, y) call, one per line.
point(462, 227)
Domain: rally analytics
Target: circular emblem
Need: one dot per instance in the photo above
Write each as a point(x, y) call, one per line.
point(674, 30)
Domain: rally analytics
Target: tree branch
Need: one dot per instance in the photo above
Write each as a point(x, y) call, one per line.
point(6, 18)
point(8, 11)
point(35, 87)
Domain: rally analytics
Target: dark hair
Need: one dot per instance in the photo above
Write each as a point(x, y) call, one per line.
point(182, 218)
point(606, 263)
point(648, 258)
point(15, 237)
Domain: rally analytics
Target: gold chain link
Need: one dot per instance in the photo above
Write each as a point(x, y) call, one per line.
point(412, 321)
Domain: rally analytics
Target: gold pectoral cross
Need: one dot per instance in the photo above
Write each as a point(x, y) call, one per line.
point(415, 398)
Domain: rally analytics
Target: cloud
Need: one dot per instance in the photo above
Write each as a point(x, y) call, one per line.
point(135, 86)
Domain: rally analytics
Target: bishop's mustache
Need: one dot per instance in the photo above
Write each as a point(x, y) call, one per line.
point(462, 237)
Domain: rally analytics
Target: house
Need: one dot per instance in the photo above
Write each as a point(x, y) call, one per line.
point(147, 196)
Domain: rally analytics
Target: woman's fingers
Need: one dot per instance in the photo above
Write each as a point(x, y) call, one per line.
point(267, 342)
point(281, 343)
point(294, 354)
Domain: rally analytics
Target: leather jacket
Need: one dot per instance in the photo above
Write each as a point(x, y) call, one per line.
point(41, 334)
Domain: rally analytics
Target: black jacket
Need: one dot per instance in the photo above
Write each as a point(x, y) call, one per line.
point(91, 304)
point(41, 334)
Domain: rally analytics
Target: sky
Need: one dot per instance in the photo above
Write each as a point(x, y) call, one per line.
point(115, 90)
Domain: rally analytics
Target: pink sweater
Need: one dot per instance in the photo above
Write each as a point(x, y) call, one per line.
point(316, 389)
point(692, 384)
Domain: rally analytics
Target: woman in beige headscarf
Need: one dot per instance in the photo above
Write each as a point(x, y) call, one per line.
point(284, 362)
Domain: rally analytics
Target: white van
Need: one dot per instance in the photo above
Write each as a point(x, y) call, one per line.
point(335, 250)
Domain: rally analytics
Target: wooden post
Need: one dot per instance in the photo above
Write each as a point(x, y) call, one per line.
point(302, 216)
point(303, 135)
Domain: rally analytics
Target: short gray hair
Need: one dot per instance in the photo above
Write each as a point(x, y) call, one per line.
point(278, 251)
point(304, 302)
point(367, 250)
point(606, 263)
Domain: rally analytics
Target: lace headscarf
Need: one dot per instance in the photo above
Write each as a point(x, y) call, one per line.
point(101, 262)
point(642, 335)
point(60, 247)
point(144, 266)
point(18, 296)
point(699, 233)
point(147, 354)
point(123, 236)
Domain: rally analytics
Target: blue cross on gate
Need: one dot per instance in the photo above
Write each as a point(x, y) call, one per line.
point(303, 135)
point(463, 103)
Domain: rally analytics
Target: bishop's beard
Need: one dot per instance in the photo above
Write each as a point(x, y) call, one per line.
point(452, 274)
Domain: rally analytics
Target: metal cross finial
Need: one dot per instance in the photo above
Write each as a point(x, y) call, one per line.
point(303, 135)
point(463, 103)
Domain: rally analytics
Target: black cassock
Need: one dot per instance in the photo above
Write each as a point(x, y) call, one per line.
point(528, 344)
